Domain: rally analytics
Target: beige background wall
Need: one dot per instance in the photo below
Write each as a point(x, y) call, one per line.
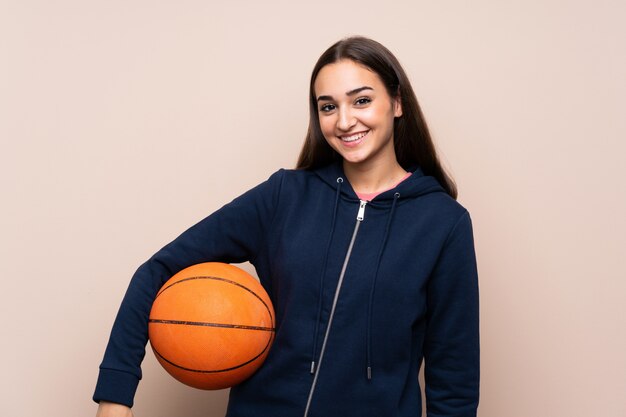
point(124, 122)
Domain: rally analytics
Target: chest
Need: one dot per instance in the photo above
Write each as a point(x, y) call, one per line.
point(389, 254)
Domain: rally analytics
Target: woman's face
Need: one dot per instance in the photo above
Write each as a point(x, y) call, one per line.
point(356, 113)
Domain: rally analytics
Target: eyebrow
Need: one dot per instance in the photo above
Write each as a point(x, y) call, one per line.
point(349, 93)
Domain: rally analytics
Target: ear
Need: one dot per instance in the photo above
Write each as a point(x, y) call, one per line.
point(397, 105)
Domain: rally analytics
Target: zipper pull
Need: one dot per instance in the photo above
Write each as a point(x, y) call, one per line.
point(361, 214)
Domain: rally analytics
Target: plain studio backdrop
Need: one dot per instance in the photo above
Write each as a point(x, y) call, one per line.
point(122, 123)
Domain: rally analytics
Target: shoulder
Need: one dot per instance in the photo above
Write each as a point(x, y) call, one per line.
point(284, 184)
point(290, 173)
point(437, 212)
point(295, 179)
point(444, 205)
point(454, 217)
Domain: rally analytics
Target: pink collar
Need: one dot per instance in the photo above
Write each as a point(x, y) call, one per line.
point(370, 196)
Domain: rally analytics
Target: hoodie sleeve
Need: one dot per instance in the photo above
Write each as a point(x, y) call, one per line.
point(235, 233)
point(451, 346)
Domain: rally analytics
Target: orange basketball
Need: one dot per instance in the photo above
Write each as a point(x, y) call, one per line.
point(211, 325)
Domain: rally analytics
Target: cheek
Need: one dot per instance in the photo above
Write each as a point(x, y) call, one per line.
point(378, 115)
point(327, 126)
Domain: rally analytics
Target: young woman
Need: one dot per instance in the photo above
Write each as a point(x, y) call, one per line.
point(367, 257)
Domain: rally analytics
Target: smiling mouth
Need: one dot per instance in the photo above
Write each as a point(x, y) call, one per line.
point(354, 137)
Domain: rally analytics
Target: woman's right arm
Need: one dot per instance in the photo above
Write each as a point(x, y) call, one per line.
point(233, 234)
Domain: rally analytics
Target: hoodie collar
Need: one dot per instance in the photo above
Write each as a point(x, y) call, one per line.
point(416, 185)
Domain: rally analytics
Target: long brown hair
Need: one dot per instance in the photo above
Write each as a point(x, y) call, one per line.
point(412, 141)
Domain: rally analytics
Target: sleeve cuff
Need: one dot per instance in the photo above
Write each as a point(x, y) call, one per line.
point(116, 386)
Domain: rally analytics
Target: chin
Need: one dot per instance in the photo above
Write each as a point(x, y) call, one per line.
point(353, 160)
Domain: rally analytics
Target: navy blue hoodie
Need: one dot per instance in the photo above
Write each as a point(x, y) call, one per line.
point(363, 293)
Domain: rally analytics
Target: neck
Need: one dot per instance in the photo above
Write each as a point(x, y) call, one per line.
point(373, 177)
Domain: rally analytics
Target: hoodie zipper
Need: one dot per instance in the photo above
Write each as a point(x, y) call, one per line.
point(359, 218)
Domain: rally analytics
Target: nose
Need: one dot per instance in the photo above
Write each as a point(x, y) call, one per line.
point(346, 120)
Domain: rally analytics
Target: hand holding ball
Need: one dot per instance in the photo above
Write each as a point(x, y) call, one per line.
point(211, 325)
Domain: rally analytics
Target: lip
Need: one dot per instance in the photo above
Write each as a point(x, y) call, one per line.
point(353, 143)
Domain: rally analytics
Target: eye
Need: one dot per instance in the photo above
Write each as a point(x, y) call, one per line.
point(361, 101)
point(327, 108)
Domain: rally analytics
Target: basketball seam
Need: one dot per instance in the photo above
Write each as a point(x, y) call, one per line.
point(269, 342)
point(202, 323)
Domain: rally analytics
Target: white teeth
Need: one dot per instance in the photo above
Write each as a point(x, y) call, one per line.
point(353, 137)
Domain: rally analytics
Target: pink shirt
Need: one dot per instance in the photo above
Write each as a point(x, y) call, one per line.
point(370, 196)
